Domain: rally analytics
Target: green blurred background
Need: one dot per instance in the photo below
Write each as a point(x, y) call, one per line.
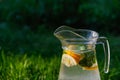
point(27, 26)
point(100, 15)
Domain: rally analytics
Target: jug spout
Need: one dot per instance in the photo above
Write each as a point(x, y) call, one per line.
point(63, 32)
point(68, 33)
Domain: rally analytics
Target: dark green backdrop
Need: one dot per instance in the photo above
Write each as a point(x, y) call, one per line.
point(100, 15)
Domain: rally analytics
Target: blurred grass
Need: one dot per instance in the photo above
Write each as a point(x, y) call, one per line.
point(24, 67)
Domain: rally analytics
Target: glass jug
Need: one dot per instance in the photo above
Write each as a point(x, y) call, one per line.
point(79, 60)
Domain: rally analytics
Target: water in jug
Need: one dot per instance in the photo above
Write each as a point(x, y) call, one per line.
point(79, 61)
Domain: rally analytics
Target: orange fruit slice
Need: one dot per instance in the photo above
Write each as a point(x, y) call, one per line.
point(94, 67)
point(76, 56)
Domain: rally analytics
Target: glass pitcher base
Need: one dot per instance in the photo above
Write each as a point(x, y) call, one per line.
point(77, 73)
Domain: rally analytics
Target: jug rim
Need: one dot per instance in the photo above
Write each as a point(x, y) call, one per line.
point(96, 34)
point(73, 29)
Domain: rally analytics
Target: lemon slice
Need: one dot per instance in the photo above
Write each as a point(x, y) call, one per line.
point(68, 60)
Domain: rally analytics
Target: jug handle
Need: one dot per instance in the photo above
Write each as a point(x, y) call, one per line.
point(104, 41)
